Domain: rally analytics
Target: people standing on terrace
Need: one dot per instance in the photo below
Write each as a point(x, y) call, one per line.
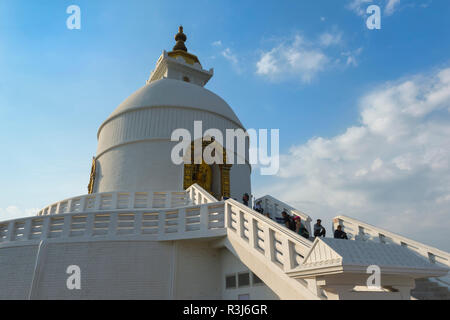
point(300, 228)
point(319, 230)
point(339, 234)
point(245, 199)
point(258, 207)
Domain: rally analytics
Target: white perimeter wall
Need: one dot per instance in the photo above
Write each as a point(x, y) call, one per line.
point(232, 265)
point(182, 270)
point(112, 270)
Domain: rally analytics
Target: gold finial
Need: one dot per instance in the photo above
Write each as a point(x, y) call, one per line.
point(180, 38)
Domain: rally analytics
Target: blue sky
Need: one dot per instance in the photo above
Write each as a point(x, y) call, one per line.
point(310, 68)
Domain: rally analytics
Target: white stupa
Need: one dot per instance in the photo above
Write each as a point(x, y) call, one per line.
point(152, 229)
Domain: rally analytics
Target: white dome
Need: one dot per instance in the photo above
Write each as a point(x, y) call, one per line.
point(175, 93)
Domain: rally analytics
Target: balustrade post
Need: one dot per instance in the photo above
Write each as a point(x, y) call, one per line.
point(168, 205)
point(10, 234)
point(82, 204)
point(69, 206)
point(150, 200)
point(27, 229)
point(66, 226)
point(204, 218)
point(252, 232)
point(89, 225)
point(97, 202)
point(45, 228)
point(112, 224)
point(238, 223)
point(269, 250)
point(161, 223)
point(58, 208)
point(114, 201)
point(182, 220)
point(287, 255)
point(227, 217)
point(138, 223)
point(131, 200)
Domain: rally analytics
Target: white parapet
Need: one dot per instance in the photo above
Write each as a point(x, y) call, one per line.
point(275, 207)
point(362, 231)
point(198, 221)
point(118, 200)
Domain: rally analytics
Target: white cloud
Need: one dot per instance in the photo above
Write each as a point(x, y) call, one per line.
point(391, 6)
point(351, 57)
point(327, 39)
point(230, 56)
point(358, 6)
point(303, 59)
point(391, 170)
point(217, 43)
point(14, 212)
point(296, 58)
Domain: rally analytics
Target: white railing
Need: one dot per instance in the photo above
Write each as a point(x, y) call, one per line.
point(117, 200)
point(198, 195)
point(364, 232)
point(198, 221)
point(279, 245)
point(275, 207)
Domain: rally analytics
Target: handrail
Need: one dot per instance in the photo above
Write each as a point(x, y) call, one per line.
point(275, 207)
point(364, 231)
point(198, 195)
point(255, 228)
point(117, 200)
point(199, 221)
point(272, 245)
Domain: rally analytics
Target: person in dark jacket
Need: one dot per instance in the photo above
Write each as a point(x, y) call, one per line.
point(288, 221)
point(245, 199)
point(339, 234)
point(319, 230)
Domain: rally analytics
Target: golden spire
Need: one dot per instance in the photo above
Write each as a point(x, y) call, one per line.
point(180, 38)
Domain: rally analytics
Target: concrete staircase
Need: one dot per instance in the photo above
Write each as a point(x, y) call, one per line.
point(427, 289)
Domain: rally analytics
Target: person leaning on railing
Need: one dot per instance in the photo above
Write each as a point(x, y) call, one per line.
point(300, 228)
point(258, 207)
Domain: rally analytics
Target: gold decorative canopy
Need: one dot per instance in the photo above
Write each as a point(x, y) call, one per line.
point(180, 50)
